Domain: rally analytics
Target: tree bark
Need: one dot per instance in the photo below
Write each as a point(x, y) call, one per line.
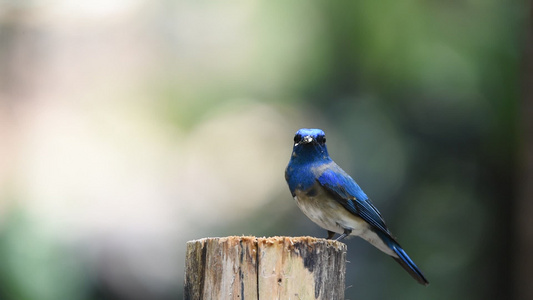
point(265, 268)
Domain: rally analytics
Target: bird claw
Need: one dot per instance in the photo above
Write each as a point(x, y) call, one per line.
point(344, 234)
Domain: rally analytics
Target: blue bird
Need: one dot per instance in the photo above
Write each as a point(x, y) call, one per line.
point(332, 199)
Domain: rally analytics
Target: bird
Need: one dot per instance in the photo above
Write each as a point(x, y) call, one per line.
point(332, 199)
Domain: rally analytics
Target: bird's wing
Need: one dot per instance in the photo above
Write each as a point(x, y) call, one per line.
point(346, 191)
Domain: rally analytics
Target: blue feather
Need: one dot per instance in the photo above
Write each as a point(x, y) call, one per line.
point(351, 196)
point(403, 259)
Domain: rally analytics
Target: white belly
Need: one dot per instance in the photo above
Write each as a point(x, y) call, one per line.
point(331, 215)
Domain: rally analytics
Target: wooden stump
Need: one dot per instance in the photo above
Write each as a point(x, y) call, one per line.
point(265, 268)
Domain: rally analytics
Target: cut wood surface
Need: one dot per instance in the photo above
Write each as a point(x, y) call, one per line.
point(244, 267)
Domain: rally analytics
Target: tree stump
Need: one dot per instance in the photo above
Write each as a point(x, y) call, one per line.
point(265, 268)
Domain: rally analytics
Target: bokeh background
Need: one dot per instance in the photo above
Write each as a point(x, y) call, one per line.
point(130, 127)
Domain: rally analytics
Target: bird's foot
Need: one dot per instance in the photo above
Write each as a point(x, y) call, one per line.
point(344, 234)
point(331, 234)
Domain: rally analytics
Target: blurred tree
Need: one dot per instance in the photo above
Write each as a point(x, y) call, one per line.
point(523, 226)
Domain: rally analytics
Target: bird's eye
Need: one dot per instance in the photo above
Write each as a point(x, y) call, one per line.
point(321, 139)
point(297, 138)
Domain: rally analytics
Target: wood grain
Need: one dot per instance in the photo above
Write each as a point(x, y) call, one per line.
point(264, 268)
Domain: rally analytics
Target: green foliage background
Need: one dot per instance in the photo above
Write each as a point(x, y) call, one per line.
point(419, 99)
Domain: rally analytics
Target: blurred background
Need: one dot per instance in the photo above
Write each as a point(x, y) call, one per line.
point(130, 127)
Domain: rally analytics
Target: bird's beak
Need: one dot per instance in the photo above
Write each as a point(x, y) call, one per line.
point(306, 140)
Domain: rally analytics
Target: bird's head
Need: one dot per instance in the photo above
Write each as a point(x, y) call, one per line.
point(310, 144)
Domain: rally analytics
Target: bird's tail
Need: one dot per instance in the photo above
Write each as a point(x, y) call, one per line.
point(404, 260)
